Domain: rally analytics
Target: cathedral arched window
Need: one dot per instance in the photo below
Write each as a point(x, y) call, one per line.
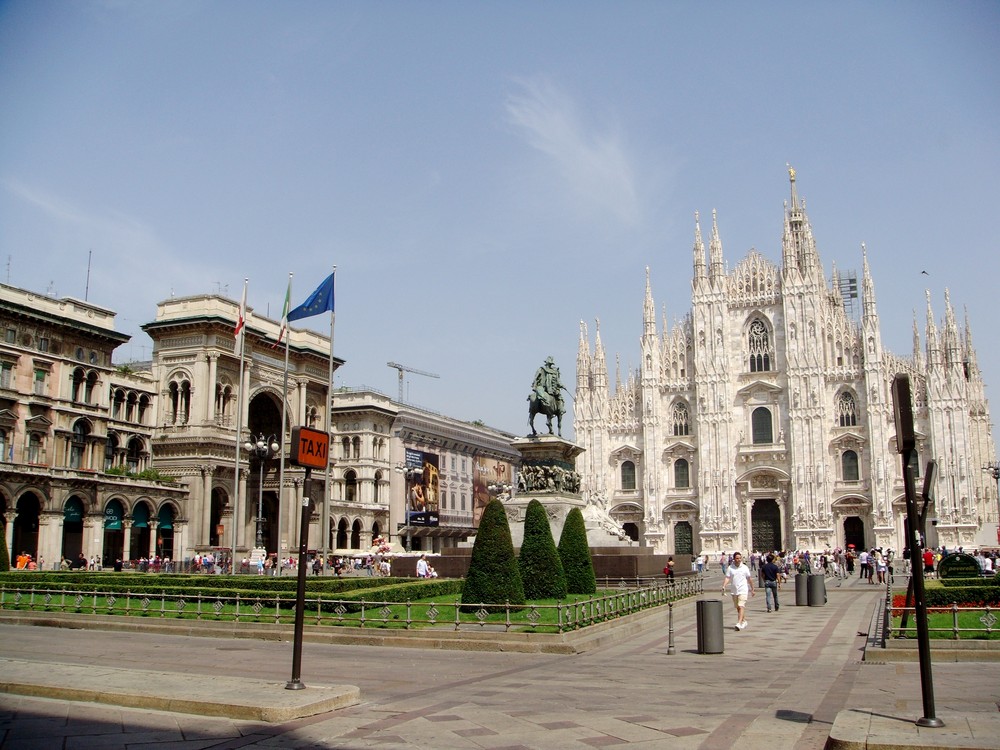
point(759, 347)
point(682, 474)
point(628, 475)
point(680, 418)
point(762, 427)
point(847, 410)
point(849, 466)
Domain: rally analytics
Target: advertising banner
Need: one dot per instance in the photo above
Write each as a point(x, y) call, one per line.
point(423, 488)
point(486, 472)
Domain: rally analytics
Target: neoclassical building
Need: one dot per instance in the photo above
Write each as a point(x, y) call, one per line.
point(764, 420)
point(131, 461)
point(76, 438)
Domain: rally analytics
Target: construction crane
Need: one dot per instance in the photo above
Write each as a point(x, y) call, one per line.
point(403, 368)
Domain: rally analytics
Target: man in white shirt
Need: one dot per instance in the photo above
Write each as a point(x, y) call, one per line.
point(422, 567)
point(740, 585)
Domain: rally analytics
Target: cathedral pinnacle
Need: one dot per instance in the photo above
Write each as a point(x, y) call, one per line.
point(699, 250)
point(715, 250)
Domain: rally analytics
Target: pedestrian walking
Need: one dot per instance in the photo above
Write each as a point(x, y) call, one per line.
point(738, 582)
point(771, 575)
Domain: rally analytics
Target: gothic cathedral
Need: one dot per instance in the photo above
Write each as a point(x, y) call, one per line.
point(764, 419)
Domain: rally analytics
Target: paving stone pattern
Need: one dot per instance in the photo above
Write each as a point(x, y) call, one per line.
point(779, 684)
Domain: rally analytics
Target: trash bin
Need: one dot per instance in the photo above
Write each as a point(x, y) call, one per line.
point(817, 591)
point(709, 615)
point(802, 589)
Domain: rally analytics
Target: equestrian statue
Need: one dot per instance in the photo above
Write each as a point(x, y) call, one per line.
point(546, 396)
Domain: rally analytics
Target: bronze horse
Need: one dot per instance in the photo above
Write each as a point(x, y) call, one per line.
point(536, 406)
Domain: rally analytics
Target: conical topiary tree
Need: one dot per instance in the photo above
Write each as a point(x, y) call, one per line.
point(541, 567)
point(575, 553)
point(493, 576)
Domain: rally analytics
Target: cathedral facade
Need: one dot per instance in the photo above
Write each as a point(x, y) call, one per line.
point(764, 419)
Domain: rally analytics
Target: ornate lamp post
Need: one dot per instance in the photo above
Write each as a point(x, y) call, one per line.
point(262, 448)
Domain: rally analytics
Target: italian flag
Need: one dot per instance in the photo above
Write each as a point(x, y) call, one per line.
point(284, 313)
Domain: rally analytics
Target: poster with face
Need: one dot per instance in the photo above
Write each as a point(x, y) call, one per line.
point(423, 488)
point(486, 472)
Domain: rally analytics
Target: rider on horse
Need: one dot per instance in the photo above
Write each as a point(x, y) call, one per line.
point(548, 387)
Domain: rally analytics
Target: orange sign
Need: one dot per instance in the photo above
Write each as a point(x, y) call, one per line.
point(310, 447)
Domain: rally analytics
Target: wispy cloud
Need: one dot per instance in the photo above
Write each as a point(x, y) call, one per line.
point(131, 262)
point(593, 164)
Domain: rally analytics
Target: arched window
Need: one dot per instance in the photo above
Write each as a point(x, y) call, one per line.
point(134, 455)
point(130, 404)
point(117, 403)
point(173, 393)
point(110, 448)
point(356, 446)
point(759, 347)
point(143, 408)
point(78, 445)
point(378, 486)
point(681, 474)
point(849, 466)
point(763, 430)
point(628, 475)
point(78, 379)
point(88, 393)
point(847, 410)
point(680, 419)
point(185, 402)
point(350, 487)
point(345, 446)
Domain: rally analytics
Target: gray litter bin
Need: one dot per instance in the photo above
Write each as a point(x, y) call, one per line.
point(817, 591)
point(709, 614)
point(802, 589)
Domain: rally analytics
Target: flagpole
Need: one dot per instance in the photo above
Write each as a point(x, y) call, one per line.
point(284, 402)
point(325, 523)
point(242, 325)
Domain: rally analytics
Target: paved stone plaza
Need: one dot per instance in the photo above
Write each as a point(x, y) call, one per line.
point(780, 684)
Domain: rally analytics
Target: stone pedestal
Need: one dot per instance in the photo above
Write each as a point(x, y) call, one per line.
point(548, 474)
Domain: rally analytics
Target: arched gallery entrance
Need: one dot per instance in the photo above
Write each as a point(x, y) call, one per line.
point(114, 533)
point(25, 534)
point(72, 542)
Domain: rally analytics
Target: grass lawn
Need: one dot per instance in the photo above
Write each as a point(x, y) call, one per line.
point(941, 625)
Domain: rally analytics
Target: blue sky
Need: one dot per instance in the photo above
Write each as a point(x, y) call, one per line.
point(485, 175)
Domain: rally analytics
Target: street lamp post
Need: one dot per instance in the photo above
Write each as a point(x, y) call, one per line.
point(262, 448)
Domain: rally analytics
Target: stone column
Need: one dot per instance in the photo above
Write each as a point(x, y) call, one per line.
point(213, 374)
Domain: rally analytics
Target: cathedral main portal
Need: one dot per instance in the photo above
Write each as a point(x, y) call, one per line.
point(765, 525)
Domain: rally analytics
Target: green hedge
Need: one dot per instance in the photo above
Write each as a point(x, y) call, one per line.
point(981, 595)
point(362, 587)
point(963, 582)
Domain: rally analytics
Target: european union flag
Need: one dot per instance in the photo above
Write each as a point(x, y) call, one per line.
point(319, 301)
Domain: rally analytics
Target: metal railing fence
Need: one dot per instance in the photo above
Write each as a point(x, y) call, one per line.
point(277, 610)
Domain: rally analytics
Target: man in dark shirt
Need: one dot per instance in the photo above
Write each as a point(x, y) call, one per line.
point(770, 573)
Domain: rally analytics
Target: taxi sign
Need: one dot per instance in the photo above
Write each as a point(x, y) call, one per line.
point(310, 447)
